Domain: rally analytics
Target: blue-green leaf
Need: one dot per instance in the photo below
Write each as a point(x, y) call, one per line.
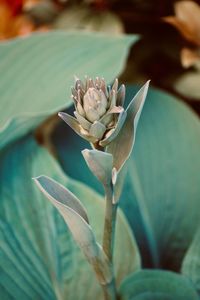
point(191, 262)
point(163, 175)
point(57, 193)
point(38, 257)
point(37, 72)
point(161, 193)
point(157, 285)
point(75, 217)
point(122, 145)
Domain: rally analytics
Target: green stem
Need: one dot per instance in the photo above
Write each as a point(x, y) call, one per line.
point(105, 276)
point(110, 221)
point(109, 291)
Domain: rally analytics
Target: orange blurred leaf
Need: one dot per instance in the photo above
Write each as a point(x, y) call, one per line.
point(189, 57)
point(187, 20)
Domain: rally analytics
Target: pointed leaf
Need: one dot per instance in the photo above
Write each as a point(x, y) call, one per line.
point(84, 123)
point(121, 147)
point(114, 132)
point(74, 124)
point(121, 95)
point(81, 230)
point(39, 259)
point(100, 163)
point(71, 121)
point(57, 193)
point(70, 207)
point(115, 85)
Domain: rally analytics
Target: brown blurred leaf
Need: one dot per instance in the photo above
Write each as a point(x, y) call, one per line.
point(12, 24)
point(87, 19)
point(44, 132)
point(187, 20)
point(189, 57)
point(42, 11)
point(188, 85)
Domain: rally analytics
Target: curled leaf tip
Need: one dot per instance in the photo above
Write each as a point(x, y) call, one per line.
point(85, 151)
point(60, 114)
point(60, 196)
point(37, 178)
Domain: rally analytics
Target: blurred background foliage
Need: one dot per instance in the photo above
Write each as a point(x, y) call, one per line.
point(168, 51)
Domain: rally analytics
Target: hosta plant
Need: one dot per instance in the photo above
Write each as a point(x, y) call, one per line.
point(155, 255)
point(102, 120)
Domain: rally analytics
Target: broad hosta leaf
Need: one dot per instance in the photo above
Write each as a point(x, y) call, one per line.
point(162, 179)
point(191, 262)
point(38, 257)
point(157, 285)
point(163, 176)
point(37, 73)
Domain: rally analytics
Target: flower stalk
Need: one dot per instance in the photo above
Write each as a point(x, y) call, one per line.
point(110, 222)
point(101, 119)
point(108, 287)
point(110, 291)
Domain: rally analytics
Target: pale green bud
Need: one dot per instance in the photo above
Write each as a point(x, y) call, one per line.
point(94, 104)
point(99, 112)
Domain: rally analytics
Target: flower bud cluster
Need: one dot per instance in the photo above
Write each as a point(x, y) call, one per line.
point(99, 110)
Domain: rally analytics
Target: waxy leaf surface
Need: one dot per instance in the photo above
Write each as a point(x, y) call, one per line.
point(157, 285)
point(37, 74)
point(39, 258)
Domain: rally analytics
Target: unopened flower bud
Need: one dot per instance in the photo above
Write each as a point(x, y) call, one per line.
point(94, 104)
point(99, 112)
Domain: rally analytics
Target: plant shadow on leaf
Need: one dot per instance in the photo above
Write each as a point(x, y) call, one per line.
point(161, 194)
point(38, 257)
